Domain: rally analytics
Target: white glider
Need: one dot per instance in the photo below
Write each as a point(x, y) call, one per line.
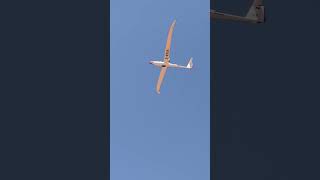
point(165, 63)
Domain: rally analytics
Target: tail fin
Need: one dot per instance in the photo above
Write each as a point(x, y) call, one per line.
point(190, 64)
point(256, 11)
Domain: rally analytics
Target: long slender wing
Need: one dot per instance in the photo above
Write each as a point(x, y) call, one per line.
point(162, 73)
point(168, 45)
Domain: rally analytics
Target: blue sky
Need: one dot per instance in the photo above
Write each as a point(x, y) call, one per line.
point(166, 136)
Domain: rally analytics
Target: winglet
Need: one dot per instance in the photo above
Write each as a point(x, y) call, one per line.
point(174, 22)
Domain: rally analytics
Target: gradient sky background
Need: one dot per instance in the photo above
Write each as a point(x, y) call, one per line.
point(162, 136)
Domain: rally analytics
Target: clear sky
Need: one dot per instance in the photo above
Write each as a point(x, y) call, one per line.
point(166, 136)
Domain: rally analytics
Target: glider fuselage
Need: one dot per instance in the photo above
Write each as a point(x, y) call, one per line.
point(256, 14)
point(163, 64)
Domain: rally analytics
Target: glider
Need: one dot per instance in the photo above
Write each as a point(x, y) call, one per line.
point(255, 14)
point(165, 63)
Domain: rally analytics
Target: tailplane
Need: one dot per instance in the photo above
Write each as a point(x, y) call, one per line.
point(256, 11)
point(190, 64)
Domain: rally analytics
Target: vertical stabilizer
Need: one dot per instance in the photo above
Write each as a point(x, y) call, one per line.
point(190, 64)
point(256, 11)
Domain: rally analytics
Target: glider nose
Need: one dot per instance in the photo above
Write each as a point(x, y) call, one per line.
point(150, 62)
